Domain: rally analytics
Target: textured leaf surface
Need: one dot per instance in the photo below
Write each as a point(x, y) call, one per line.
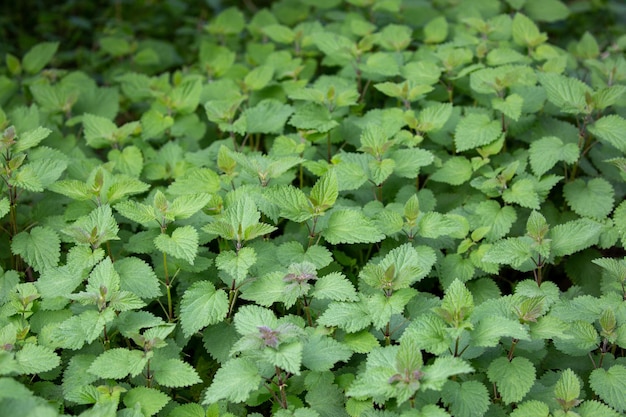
point(351, 226)
point(546, 152)
point(183, 243)
point(610, 385)
point(118, 363)
point(233, 381)
point(466, 399)
point(41, 247)
point(201, 306)
point(476, 130)
point(593, 198)
point(32, 359)
point(513, 379)
point(175, 373)
point(149, 400)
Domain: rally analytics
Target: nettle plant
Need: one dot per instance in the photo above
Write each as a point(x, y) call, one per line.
point(318, 209)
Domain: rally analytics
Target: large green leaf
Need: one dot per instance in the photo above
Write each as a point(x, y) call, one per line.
point(234, 381)
point(593, 198)
point(183, 243)
point(610, 385)
point(351, 226)
point(41, 247)
point(202, 305)
point(512, 378)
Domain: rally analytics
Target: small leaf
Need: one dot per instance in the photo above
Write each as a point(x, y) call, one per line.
point(594, 198)
point(489, 331)
point(334, 286)
point(567, 389)
point(567, 93)
point(40, 248)
point(476, 130)
point(202, 305)
point(526, 33)
point(325, 191)
point(39, 56)
point(183, 243)
point(236, 264)
point(512, 378)
point(436, 30)
point(268, 116)
point(350, 317)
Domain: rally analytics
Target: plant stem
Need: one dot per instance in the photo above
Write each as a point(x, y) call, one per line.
point(168, 289)
point(512, 350)
point(281, 388)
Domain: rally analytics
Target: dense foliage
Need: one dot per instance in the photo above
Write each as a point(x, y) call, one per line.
point(313, 208)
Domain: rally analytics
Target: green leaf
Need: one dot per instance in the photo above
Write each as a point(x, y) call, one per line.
point(4, 207)
point(39, 56)
point(259, 77)
point(118, 363)
point(512, 378)
point(313, 116)
point(334, 286)
point(512, 251)
point(348, 316)
point(436, 30)
point(236, 264)
point(594, 198)
point(568, 94)
point(455, 171)
point(202, 305)
point(187, 205)
point(31, 139)
point(100, 132)
point(234, 381)
point(523, 192)
point(154, 124)
point(511, 107)
point(433, 118)
point(268, 116)
point(279, 33)
point(33, 359)
point(580, 339)
point(574, 236)
point(526, 33)
point(137, 212)
point(40, 248)
point(148, 400)
point(431, 332)
point(610, 385)
point(593, 408)
point(185, 97)
point(548, 151)
point(436, 375)
point(230, 21)
point(96, 228)
point(351, 226)
point(476, 130)
point(489, 331)
point(610, 129)
point(465, 399)
point(183, 243)
point(532, 408)
point(321, 353)
point(174, 373)
point(325, 192)
point(137, 277)
point(498, 219)
point(567, 389)
point(546, 11)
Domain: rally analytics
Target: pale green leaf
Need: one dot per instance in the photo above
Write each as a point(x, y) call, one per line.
point(33, 359)
point(268, 116)
point(436, 30)
point(610, 385)
point(455, 171)
point(436, 375)
point(334, 286)
point(174, 373)
point(567, 388)
point(187, 205)
point(100, 132)
point(526, 33)
point(202, 305)
point(475, 130)
point(149, 400)
point(39, 56)
point(532, 408)
point(512, 378)
point(511, 107)
point(137, 212)
point(325, 191)
point(465, 399)
point(236, 264)
point(593, 198)
point(574, 236)
point(30, 139)
point(321, 353)
point(259, 77)
point(348, 316)
point(183, 243)
point(137, 277)
point(546, 10)
point(234, 381)
point(118, 363)
point(351, 226)
point(610, 129)
point(498, 219)
point(313, 116)
point(491, 329)
point(567, 93)
point(40, 247)
point(546, 152)
point(4, 207)
point(593, 408)
point(523, 192)
point(432, 118)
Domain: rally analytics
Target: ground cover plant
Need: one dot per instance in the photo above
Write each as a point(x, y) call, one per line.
point(313, 208)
